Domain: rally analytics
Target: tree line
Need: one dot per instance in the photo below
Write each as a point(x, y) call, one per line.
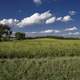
point(6, 32)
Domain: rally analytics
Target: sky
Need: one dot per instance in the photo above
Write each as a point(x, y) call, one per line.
point(42, 17)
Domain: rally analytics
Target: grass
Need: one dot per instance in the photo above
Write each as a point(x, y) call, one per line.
point(40, 59)
point(40, 69)
point(37, 48)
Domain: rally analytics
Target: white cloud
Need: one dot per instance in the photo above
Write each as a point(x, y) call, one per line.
point(37, 1)
point(46, 15)
point(74, 33)
point(71, 29)
point(59, 19)
point(36, 18)
point(57, 31)
point(46, 31)
point(10, 22)
point(72, 12)
point(51, 20)
point(77, 33)
point(66, 18)
point(50, 31)
point(33, 32)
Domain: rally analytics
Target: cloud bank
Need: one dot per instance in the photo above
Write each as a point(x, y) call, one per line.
point(71, 29)
point(37, 18)
point(56, 31)
point(9, 22)
point(51, 20)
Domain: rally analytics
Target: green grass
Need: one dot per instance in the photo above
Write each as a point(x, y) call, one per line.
point(37, 48)
point(40, 69)
point(40, 59)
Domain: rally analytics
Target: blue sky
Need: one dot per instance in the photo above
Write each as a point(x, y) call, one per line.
point(41, 16)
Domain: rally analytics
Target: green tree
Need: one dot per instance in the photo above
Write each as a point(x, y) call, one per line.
point(5, 32)
point(19, 35)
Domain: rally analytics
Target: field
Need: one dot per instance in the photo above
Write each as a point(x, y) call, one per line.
point(40, 59)
point(38, 48)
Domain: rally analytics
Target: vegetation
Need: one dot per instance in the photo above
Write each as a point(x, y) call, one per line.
point(38, 48)
point(55, 37)
point(40, 69)
point(5, 32)
point(39, 58)
point(19, 35)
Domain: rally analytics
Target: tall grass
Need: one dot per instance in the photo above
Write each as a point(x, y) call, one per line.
point(37, 48)
point(40, 69)
point(40, 59)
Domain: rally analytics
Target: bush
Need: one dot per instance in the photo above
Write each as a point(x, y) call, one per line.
point(20, 36)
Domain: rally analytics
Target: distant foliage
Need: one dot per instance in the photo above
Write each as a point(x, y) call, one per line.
point(20, 36)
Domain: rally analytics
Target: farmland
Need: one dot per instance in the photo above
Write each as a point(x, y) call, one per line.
point(40, 59)
point(38, 48)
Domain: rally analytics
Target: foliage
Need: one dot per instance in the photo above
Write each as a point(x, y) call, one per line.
point(19, 35)
point(5, 32)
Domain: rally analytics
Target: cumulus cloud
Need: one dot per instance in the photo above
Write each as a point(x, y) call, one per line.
point(46, 15)
point(57, 31)
point(71, 29)
point(51, 20)
point(60, 31)
point(10, 22)
point(59, 19)
point(36, 18)
point(37, 1)
point(73, 33)
point(67, 18)
point(50, 31)
point(46, 31)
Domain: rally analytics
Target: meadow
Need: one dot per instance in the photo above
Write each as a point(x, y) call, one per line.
point(67, 68)
point(40, 59)
point(38, 48)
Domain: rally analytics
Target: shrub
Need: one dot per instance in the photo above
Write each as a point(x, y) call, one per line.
point(19, 35)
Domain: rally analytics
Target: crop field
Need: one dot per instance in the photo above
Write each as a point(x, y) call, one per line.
point(40, 59)
point(38, 48)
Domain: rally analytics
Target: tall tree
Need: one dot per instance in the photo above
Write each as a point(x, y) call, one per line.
point(5, 32)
